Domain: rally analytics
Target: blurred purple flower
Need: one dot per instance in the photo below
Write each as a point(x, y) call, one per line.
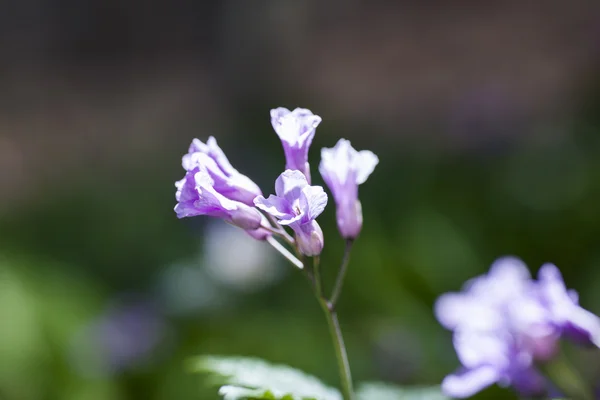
point(127, 334)
point(343, 169)
point(504, 322)
point(297, 204)
point(296, 129)
point(196, 195)
point(227, 180)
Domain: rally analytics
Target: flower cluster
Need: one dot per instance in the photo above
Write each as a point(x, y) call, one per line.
point(213, 187)
point(507, 325)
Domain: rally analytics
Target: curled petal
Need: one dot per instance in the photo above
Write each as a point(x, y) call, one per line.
point(275, 206)
point(215, 152)
point(227, 180)
point(313, 200)
point(289, 185)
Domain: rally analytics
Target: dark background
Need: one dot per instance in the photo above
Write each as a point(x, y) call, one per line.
point(485, 117)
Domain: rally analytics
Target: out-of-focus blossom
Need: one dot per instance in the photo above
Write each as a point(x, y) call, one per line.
point(296, 129)
point(196, 195)
point(226, 180)
point(247, 269)
point(125, 335)
point(343, 169)
point(297, 204)
point(505, 322)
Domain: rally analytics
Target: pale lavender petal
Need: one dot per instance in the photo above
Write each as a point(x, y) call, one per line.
point(297, 127)
point(313, 200)
point(289, 185)
point(478, 348)
point(468, 382)
point(198, 146)
point(365, 162)
point(275, 206)
point(337, 164)
point(508, 277)
point(455, 310)
point(219, 156)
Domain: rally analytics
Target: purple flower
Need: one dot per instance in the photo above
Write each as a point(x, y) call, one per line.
point(297, 204)
point(343, 169)
point(296, 130)
point(196, 195)
point(227, 180)
point(504, 322)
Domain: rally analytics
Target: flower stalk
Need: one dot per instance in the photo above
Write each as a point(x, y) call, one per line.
point(567, 378)
point(340, 349)
point(339, 281)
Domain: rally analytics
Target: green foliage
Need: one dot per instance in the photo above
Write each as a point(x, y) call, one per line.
point(385, 391)
point(252, 378)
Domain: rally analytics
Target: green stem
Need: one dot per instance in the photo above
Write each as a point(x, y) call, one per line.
point(317, 276)
point(567, 378)
point(339, 281)
point(336, 335)
point(340, 350)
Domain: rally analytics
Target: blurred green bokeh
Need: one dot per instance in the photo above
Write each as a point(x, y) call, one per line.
point(434, 216)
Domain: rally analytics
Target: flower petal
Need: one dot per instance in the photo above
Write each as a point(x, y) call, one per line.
point(470, 381)
point(508, 277)
point(578, 324)
point(459, 310)
point(289, 185)
point(313, 200)
point(337, 164)
point(482, 348)
point(274, 205)
point(365, 163)
point(220, 158)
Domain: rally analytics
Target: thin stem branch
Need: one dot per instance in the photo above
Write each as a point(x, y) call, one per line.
point(339, 281)
point(317, 278)
point(277, 229)
point(340, 349)
point(284, 252)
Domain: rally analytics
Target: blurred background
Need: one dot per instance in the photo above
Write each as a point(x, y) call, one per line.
point(485, 117)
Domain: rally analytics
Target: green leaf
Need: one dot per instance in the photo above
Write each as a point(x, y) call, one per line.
point(252, 378)
point(385, 391)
